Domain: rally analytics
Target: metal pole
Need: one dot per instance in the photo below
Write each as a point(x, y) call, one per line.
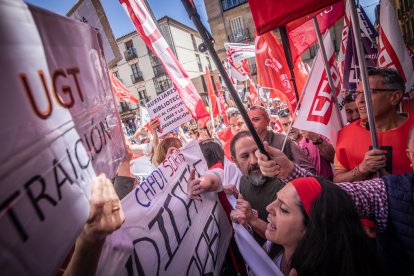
point(364, 76)
point(327, 69)
point(208, 45)
point(288, 55)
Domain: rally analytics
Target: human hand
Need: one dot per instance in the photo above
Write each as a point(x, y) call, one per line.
point(279, 165)
point(374, 160)
point(243, 214)
point(106, 214)
point(198, 185)
point(231, 189)
point(310, 135)
point(154, 124)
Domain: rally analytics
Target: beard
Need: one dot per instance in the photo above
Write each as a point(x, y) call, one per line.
point(255, 177)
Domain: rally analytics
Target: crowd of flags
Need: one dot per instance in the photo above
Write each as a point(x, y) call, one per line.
point(273, 73)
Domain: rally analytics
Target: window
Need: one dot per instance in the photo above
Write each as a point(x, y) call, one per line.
point(142, 94)
point(200, 66)
point(203, 82)
point(136, 73)
point(236, 25)
point(116, 73)
point(124, 106)
point(209, 64)
point(129, 44)
point(162, 83)
point(156, 65)
point(194, 43)
point(229, 4)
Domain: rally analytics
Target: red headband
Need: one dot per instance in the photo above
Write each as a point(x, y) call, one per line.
point(308, 189)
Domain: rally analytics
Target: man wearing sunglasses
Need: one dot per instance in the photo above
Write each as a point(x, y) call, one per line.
point(355, 159)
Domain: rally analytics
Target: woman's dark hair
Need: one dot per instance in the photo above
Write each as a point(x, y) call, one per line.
point(212, 151)
point(335, 242)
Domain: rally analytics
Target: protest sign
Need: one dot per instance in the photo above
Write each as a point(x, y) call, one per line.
point(168, 233)
point(92, 13)
point(170, 109)
point(60, 127)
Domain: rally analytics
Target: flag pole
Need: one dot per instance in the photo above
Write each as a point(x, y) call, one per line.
point(364, 76)
point(288, 55)
point(208, 45)
point(328, 70)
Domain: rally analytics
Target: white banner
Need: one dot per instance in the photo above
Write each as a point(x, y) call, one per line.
point(59, 127)
point(168, 233)
point(253, 254)
point(239, 52)
point(92, 13)
point(392, 50)
point(170, 109)
point(317, 112)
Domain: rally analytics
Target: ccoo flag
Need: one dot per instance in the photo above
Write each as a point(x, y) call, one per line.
point(120, 91)
point(392, 50)
point(317, 112)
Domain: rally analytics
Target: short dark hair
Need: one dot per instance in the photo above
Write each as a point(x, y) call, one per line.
point(212, 151)
point(241, 134)
point(234, 114)
point(390, 77)
point(349, 99)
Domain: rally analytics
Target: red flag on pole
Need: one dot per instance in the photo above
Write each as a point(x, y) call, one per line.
point(302, 31)
point(211, 95)
point(254, 95)
point(222, 103)
point(270, 14)
point(120, 90)
point(272, 69)
point(147, 29)
point(392, 50)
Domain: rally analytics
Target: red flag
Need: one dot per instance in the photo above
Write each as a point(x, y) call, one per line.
point(275, 93)
point(222, 103)
point(302, 31)
point(120, 91)
point(211, 94)
point(147, 29)
point(392, 52)
point(270, 14)
point(253, 93)
point(272, 69)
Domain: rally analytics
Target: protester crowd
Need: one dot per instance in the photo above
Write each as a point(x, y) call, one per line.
point(316, 208)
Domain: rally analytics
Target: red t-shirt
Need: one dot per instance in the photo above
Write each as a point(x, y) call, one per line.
point(354, 141)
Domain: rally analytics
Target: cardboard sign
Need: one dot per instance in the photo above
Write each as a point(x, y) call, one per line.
point(167, 232)
point(170, 109)
point(60, 127)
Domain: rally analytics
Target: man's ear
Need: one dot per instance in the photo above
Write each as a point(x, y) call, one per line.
point(396, 97)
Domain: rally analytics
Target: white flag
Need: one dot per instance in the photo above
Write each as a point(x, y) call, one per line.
point(239, 52)
point(392, 50)
point(317, 112)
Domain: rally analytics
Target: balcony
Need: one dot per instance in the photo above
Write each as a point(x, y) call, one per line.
point(158, 70)
point(130, 54)
point(240, 36)
point(137, 78)
point(229, 4)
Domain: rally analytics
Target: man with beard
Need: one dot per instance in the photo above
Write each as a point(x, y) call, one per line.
point(255, 188)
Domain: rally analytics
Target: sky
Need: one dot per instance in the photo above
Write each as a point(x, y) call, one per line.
point(121, 24)
point(119, 21)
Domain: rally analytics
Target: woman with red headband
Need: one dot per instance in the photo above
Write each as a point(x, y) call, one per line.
point(314, 228)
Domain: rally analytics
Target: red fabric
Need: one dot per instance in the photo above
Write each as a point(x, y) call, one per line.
point(120, 90)
point(272, 69)
point(211, 95)
point(302, 31)
point(222, 103)
point(227, 151)
point(225, 135)
point(408, 105)
point(253, 94)
point(308, 189)
point(274, 93)
point(150, 34)
point(354, 141)
point(270, 14)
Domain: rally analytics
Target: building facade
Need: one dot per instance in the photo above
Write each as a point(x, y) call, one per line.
point(405, 15)
point(142, 72)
